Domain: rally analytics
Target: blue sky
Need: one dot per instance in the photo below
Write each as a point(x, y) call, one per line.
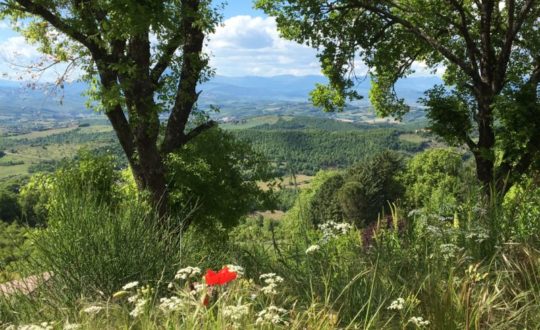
point(246, 44)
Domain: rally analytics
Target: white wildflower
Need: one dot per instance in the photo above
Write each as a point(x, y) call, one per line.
point(397, 304)
point(418, 321)
point(187, 272)
point(448, 251)
point(133, 298)
point(42, 326)
point(139, 308)
point(198, 288)
point(171, 304)
point(72, 326)
point(312, 249)
point(130, 285)
point(271, 280)
point(236, 269)
point(235, 313)
point(272, 315)
point(93, 309)
point(333, 229)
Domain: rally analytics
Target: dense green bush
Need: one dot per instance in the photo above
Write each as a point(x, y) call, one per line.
point(14, 249)
point(216, 176)
point(325, 205)
point(92, 248)
point(10, 210)
point(362, 193)
point(436, 179)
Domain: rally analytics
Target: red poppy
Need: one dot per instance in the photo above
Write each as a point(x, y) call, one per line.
point(222, 277)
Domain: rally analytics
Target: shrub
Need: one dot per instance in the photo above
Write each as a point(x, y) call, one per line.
point(91, 248)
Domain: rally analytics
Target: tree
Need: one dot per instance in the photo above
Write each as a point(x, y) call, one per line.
point(143, 57)
point(218, 187)
point(325, 205)
point(10, 210)
point(371, 185)
point(490, 51)
point(436, 179)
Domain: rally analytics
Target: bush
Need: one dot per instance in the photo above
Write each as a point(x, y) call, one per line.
point(92, 248)
point(10, 210)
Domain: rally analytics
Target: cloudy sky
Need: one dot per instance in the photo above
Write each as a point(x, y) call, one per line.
point(246, 44)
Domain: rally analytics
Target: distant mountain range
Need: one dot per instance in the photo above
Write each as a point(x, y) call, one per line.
point(16, 97)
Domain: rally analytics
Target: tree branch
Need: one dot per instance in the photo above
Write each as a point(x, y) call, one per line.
point(190, 73)
point(56, 21)
point(164, 61)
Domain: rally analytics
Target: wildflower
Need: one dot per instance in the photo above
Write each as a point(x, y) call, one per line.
point(130, 285)
point(418, 321)
point(271, 280)
point(93, 309)
point(236, 269)
point(222, 277)
point(42, 326)
point(397, 304)
point(187, 272)
point(133, 298)
point(197, 288)
point(72, 326)
point(333, 229)
point(171, 304)
point(235, 313)
point(448, 251)
point(312, 249)
point(139, 308)
point(273, 315)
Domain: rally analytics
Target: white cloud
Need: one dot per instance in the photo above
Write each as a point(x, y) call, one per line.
point(246, 45)
point(17, 49)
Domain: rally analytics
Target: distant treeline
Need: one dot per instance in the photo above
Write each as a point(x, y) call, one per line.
point(306, 145)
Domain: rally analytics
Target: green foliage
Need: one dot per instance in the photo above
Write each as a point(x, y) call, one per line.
point(216, 175)
point(490, 85)
point(92, 248)
point(86, 172)
point(13, 249)
point(307, 146)
point(449, 115)
point(435, 179)
point(10, 210)
point(370, 187)
point(325, 204)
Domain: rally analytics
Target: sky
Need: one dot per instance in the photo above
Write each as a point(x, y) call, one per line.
point(246, 44)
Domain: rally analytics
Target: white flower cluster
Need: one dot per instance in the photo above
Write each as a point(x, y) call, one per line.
point(171, 304)
point(397, 304)
point(93, 310)
point(419, 321)
point(41, 326)
point(333, 229)
point(198, 288)
point(130, 285)
point(236, 269)
point(235, 313)
point(187, 272)
point(140, 305)
point(271, 280)
point(273, 315)
point(478, 236)
point(72, 326)
point(449, 251)
point(312, 249)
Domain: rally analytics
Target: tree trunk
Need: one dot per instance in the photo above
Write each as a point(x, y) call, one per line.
point(484, 154)
point(150, 176)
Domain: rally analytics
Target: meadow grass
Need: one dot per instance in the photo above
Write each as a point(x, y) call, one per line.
point(478, 270)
